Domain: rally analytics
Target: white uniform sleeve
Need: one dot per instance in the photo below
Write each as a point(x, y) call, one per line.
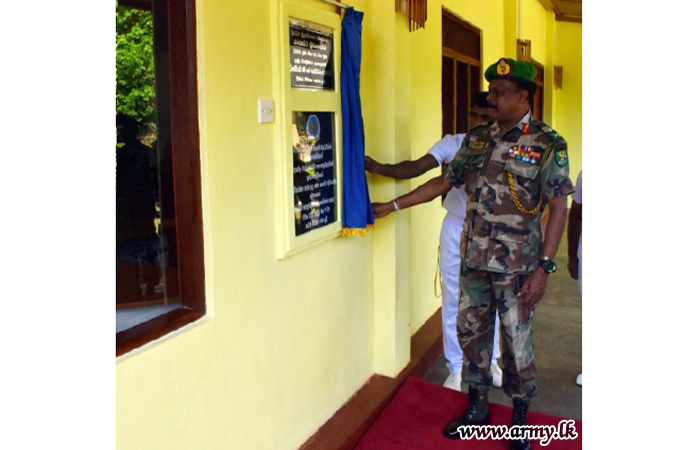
point(446, 148)
point(578, 195)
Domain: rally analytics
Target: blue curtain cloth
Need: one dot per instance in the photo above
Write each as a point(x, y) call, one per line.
point(357, 208)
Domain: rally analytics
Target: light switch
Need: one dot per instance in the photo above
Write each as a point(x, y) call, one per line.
point(265, 111)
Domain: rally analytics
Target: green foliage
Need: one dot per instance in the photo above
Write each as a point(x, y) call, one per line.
point(136, 94)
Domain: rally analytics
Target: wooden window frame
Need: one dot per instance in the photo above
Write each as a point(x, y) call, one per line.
point(184, 135)
point(474, 65)
point(539, 82)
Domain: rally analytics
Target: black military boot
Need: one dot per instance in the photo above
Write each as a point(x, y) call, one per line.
point(519, 417)
point(477, 413)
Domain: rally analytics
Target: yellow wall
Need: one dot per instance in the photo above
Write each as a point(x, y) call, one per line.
point(286, 342)
point(568, 119)
point(533, 22)
point(558, 43)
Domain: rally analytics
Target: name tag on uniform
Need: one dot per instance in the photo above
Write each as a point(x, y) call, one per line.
point(525, 153)
point(479, 147)
point(478, 142)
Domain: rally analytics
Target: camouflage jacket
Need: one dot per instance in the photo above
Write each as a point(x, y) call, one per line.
point(502, 233)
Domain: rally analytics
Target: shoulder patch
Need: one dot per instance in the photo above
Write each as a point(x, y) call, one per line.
point(561, 157)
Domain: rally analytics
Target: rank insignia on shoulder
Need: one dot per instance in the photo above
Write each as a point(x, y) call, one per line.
point(561, 157)
point(478, 145)
point(548, 130)
point(525, 153)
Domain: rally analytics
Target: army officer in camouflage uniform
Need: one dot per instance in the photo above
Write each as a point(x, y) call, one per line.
point(511, 169)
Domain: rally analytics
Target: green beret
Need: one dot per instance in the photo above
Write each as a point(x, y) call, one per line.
point(507, 68)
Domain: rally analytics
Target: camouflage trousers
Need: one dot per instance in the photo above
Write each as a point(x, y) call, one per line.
point(481, 295)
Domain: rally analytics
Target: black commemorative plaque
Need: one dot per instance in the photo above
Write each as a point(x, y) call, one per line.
point(311, 57)
point(315, 179)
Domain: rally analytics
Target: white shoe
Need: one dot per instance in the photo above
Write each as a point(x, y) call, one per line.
point(496, 374)
point(579, 379)
point(454, 381)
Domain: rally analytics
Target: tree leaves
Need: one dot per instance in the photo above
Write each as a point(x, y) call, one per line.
point(135, 72)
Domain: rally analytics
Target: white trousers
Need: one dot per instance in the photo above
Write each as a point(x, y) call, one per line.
point(580, 270)
point(449, 269)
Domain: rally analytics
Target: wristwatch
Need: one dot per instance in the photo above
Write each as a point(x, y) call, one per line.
point(548, 265)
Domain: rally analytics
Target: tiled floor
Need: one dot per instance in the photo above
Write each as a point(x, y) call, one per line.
point(557, 340)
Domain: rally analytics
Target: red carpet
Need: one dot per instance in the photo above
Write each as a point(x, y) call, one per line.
point(415, 417)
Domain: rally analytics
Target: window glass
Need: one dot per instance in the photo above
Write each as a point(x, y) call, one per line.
point(146, 259)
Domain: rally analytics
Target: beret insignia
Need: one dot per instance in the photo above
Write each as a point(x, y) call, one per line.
point(503, 68)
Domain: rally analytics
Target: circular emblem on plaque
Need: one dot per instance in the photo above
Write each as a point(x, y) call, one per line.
point(503, 68)
point(313, 127)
